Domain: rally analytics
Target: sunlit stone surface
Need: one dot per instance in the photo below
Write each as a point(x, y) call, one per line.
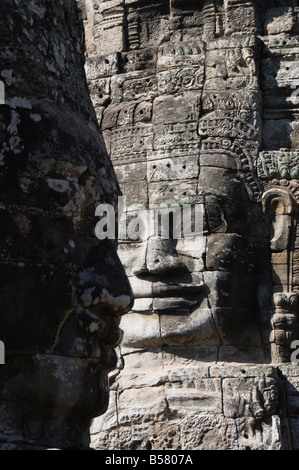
point(198, 106)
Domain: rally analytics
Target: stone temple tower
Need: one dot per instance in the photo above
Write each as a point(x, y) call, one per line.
point(198, 105)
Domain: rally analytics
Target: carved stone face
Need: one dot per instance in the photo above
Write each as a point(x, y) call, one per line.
point(62, 292)
point(201, 290)
point(191, 144)
point(57, 274)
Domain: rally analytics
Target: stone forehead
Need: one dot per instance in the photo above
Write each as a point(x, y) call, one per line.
point(51, 103)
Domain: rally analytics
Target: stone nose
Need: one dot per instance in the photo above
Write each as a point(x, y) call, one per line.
point(101, 294)
point(159, 257)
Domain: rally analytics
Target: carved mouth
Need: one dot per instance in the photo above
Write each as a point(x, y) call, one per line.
point(89, 336)
point(101, 329)
point(105, 357)
point(171, 303)
point(169, 296)
point(175, 289)
point(169, 289)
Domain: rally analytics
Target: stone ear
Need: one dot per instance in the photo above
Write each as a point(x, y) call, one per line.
point(216, 222)
point(279, 205)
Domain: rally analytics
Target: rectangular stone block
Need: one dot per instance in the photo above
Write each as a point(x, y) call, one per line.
point(181, 55)
point(173, 109)
point(135, 194)
point(124, 158)
point(243, 370)
point(203, 394)
point(278, 75)
point(143, 305)
point(279, 20)
point(139, 60)
point(172, 190)
point(131, 172)
point(176, 79)
point(149, 404)
point(240, 17)
point(141, 288)
point(280, 258)
point(188, 356)
point(193, 328)
point(169, 169)
point(180, 151)
point(146, 330)
point(175, 135)
point(133, 86)
point(102, 66)
point(280, 45)
point(127, 140)
point(280, 274)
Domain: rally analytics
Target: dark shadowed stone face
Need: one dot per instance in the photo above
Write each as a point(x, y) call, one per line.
point(52, 267)
point(62, 290)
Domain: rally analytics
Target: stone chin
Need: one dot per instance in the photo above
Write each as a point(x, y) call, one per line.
point(182, 328)
point(69, 384)
point(50, 401)
point(87, 334)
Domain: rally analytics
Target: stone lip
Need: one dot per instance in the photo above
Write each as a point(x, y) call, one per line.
point(171, 303)
point(168, 289)
point(87, 335)
point(169, 295)
point(161, 289)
